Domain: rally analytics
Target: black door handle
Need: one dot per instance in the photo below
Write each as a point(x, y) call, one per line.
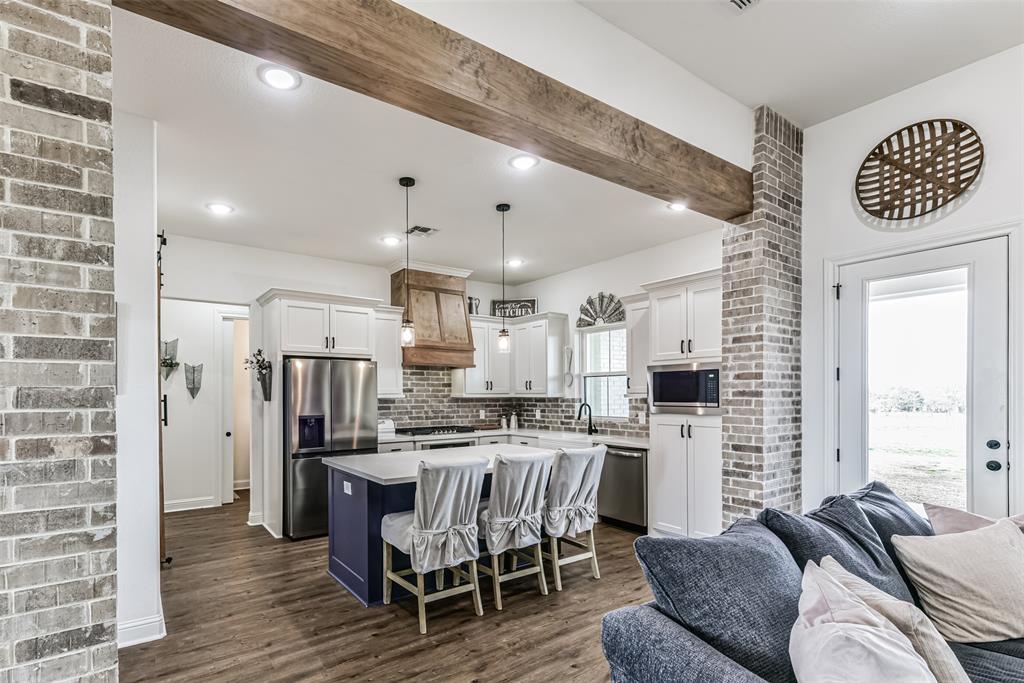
point(682, 346)
point(994, 465)
point(627, 382)
point(689, 431)
point(326, 345)
point(163, 404)
point(332, 342)
point(993, 444)
point(689, 346)
point(227, 433)
point(682, 431)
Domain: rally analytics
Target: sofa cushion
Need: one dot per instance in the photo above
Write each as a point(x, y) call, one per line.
point(738, 592)
point(1013, 648)
point(840, 529)
point(984, 666)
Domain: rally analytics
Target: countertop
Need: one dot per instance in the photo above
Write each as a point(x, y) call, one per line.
point(577, 439)
point(401, 468)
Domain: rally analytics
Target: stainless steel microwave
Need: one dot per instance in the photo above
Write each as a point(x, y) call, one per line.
point(683, 388)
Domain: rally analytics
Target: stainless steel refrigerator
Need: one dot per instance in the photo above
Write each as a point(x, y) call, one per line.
point(330, 408)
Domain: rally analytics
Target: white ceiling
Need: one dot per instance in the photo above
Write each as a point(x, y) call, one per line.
point(811, 60)
point(314, 170)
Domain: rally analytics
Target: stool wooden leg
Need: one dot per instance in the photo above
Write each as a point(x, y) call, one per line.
point(421, 604)
point(456, 579)
point(496, 579)
point(538, 557)
point(387, 568)
point(593, 554)
point(555, 568)
point(439, 579)
point(478, 604)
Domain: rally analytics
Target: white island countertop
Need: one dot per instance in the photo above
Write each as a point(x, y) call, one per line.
point(401, 468)
point(573, 439)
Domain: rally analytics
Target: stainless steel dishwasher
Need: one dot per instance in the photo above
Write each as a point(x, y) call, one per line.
point(622, 494)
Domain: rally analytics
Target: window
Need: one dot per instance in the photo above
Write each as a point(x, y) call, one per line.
point(604, 371)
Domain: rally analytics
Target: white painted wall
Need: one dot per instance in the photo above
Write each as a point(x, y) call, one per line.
point(988, 96)
point(570, 43)
point(563, 293)
point(193, 440)
point(139, 610)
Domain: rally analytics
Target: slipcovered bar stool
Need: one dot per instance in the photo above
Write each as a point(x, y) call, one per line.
point(439, 533)
point(513, 518)
point(571, 507)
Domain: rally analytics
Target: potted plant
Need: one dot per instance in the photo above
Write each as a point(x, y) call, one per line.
point(259, 363)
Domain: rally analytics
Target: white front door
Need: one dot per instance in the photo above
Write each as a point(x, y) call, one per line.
point(922, 375)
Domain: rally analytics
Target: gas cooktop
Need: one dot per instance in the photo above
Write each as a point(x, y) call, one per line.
point(443, 429)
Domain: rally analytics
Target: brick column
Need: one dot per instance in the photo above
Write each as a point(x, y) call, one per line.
point(57, 435)
point(761, 331)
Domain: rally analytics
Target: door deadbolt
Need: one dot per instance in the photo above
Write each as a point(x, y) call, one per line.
point(993, 444)
point(994, 465)
point(227, 433)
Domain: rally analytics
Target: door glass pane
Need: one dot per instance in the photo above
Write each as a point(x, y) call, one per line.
point(917, 386)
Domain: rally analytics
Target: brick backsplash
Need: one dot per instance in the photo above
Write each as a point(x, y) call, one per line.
point(57, 442)
point(428, 402)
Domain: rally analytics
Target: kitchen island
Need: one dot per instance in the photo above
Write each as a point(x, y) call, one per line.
point(361, 489)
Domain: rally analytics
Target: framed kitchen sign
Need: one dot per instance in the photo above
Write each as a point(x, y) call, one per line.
point(513, 308)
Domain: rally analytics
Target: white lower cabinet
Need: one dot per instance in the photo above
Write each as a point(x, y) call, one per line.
point(489, 440)
point(684, 476)
point(523, 440)
point(396, 447)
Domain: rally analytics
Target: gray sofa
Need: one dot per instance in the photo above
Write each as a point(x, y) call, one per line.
point(724, 606)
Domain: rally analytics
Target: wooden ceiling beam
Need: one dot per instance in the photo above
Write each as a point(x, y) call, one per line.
point(383, 50)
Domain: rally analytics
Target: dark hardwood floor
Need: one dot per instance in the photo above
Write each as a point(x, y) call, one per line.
point(242, 606)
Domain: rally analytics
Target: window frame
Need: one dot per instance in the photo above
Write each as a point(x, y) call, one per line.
point(582, 333)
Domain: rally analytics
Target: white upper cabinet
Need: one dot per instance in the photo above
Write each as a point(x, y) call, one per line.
point(492, 375)
point(534, 366)
point(530, 345)
point(499, 365)
point(638, 344)
point(352, 330)
point(704, 318)
point(686, 318)
point(305, 327)
point(388, 353)
point(477, 380)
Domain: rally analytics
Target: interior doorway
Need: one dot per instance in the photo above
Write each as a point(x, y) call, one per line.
point(923, 380)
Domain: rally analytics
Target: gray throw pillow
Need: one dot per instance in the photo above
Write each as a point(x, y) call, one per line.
point(840, 529)
point(739, 592)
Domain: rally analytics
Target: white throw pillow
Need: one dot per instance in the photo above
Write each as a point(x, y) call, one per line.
point(952, 521)
point(971, 584)
point(905, 616)
point(837, 638)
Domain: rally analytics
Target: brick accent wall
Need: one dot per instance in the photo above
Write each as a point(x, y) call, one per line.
point(57, 440)
point(761, 430)
point(428, 401)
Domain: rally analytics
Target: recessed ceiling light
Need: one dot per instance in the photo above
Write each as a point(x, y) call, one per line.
point(678, 207)
point(278, 77)
point(523, 162)
point(390, 240)
point(220, 208)
point(514, 262)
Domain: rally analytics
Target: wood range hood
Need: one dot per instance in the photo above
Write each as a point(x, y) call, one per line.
point(437, 307)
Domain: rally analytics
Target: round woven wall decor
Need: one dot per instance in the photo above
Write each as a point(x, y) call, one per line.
point(919, 169)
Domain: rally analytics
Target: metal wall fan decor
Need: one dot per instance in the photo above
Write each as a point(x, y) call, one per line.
point(601, 310)
point(919, 169)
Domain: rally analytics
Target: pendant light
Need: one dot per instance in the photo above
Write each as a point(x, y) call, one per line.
point(408, 334)
point(504, 340)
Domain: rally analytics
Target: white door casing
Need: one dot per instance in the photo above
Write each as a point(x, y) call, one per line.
point(987, 363)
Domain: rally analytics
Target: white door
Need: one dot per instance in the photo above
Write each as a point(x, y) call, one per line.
point(668, 325)
point(521, 358)
point(638, 334)
point(476, 377)
point(704, 470)
point(352, 331)
point(225, 340)
point(499, 365)
point(305, 327)
point(538, 358)
point(704, 319)
point(666, 476)
point(923, 351)
point(388, 355)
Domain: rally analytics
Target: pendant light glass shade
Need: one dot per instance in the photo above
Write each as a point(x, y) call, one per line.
point(408, 334)
point(504, 340)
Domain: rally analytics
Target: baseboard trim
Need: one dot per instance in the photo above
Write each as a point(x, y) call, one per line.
point(271, 531)
point(138, 631)
point(190, 504)
point(255, 519)
point(241, 484)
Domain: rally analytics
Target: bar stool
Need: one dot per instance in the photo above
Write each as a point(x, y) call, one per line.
point(439, 533)
point(571, 507)
point(513, 517)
